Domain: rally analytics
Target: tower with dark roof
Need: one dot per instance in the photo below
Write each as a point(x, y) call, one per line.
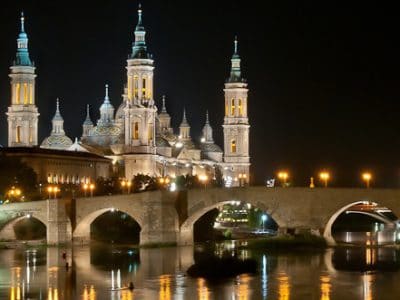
point(236, 124)
point(22, 113)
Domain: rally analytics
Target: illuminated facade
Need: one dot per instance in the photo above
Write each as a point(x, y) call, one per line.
point(137, 136)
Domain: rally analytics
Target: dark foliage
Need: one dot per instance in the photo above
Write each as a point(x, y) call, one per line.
point(13, 172)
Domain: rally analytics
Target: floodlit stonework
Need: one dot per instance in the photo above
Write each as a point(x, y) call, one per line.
point(137, 135)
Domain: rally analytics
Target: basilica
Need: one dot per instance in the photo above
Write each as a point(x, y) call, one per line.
point(136, 137)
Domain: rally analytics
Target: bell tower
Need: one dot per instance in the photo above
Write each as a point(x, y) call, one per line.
point(236, 125)
point(22, 112)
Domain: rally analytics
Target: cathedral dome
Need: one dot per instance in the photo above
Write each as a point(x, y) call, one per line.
point(56, 142)
point(210, 147)
point(105, 130)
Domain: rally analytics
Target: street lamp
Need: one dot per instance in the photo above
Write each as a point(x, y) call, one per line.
point(14, 192)
point(49, 190)
point(283, 176)
point(85, 188)
point(126, 184)
point(367, 178)
point(264, 218)
point(324, 176)
point(203, 179)
point(91, 187)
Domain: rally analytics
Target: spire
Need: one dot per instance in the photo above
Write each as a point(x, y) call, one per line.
point(163, 109)
point(57, 115)
point(139, 49)
point(207, 131)
point(235, 75)
point(22, 57)
point(184, 122)
point(107, 98)
point(207, 120)
point(88, 121)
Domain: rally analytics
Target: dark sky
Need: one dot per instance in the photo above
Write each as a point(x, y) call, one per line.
point(323, 77)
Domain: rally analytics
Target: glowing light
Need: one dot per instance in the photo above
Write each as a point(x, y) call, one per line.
point(367, 176)
point(324, 176)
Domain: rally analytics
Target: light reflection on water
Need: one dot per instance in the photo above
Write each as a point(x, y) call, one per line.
point(160, 274)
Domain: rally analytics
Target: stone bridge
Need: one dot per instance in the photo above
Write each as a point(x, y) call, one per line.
point(169, 216)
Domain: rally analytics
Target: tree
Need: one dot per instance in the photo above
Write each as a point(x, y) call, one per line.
point(14, 172)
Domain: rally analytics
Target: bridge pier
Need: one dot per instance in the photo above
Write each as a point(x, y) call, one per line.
point(160, 221)
point(58, 224)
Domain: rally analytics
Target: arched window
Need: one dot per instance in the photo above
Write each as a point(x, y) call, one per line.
point(144, 81)
point(232, 107)
point(135, 130)
point(30, 93)
point(226, 109)
point(150, 135)
point(18, 134)
point(25, 93)
point(30, 134)
point(233, 146)
point(135, 86)
point(17, 93)
point(240, 107)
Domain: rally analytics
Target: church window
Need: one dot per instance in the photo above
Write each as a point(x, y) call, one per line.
point(30, 93)
point(240, 107)
point(233, 146)
point(232, 107)
point(25, 93)
point(135, 131)
point(150, 131)
point(18, 134)
point(30, 134)
point(17, 93)
point(144, 81)
point(226, 109)
point(135, 86)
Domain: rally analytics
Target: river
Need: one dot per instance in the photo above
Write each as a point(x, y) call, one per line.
point(341, 273)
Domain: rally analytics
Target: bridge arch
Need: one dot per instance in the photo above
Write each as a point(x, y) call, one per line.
point(82, 230)
point(186, 236)
point(328, 227)
point(7, 232)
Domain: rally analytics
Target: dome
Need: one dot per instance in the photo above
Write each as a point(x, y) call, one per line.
point(105, 130)
point(57, 142)
point(210, 147)
point(120, 111)
point(161, 142)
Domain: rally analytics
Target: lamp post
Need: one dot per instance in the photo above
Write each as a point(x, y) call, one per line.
point(129, 184)
point(49, 190)
point(91, 187)
point(55, 190)
point(203, 179)
point(85, 188)
point(367, 178)
point(14, 192)
point(123, 184)
point(324, 176)
point(263, 219)
point(283, 176)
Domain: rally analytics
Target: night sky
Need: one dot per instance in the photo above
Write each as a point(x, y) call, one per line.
point(324, 78)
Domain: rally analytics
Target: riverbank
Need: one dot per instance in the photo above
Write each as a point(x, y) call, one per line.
point(286, 243)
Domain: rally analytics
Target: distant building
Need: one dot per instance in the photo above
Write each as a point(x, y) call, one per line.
point(137, 136)
point(60, 166)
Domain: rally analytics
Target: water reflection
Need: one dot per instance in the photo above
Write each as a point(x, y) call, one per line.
point(161, 274)
point(366, 259)
point(165, 287)
point(325, 287)
point(284, 286)
point(203, 292)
